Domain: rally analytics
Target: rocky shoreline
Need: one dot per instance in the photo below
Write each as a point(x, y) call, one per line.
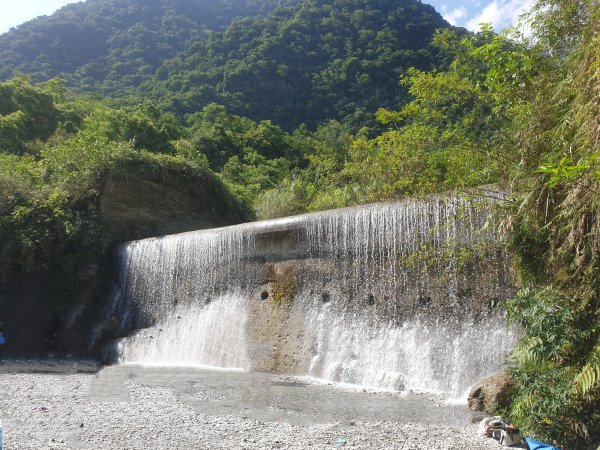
point(127, 409)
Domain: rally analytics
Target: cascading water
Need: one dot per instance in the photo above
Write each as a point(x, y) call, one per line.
point(395, 296)
point(208, 335)
point(414, 355)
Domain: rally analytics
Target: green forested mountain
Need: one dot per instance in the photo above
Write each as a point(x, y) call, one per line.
point(323, 59)
point(116, 43)
point(288, 61)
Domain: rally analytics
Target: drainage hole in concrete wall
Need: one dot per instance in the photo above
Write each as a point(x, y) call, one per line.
point(325, 297)
point(424, 300)
point(264, 295)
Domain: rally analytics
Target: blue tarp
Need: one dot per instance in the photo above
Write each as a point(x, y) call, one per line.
point(536, 445)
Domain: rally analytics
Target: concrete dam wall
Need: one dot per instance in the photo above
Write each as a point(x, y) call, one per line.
point(395, 296)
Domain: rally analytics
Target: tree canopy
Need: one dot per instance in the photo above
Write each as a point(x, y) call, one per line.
point(115, 43)
point(291, 62)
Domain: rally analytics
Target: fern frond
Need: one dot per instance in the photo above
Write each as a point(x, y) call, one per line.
point(589, 376)
point(526, 351)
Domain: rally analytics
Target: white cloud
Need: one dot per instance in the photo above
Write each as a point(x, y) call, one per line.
point(500, 13)
point(454, 16)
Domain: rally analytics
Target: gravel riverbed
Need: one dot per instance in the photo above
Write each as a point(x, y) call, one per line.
point(125, 407)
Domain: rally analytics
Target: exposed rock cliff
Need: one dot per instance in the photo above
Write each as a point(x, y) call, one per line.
point(144, 201)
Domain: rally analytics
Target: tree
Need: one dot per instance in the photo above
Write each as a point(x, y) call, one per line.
point(27, 113)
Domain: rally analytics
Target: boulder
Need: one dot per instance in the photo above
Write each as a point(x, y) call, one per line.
point(491, 391)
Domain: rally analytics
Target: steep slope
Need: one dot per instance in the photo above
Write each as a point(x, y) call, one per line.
point(324, 59)
point(289, 61)
point(115, 42)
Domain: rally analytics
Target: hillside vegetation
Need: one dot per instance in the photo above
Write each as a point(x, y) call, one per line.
point(326, 104)
point(282, 60)
point(322, 60)
point(55, 157)
point(115, 44)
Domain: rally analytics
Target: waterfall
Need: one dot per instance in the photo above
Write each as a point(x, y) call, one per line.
point(396, 296)
point(210, 335)
point(414, 355)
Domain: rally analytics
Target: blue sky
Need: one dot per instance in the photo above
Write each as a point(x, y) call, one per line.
point(15, 12)
point(470, 13)
point(465, 13)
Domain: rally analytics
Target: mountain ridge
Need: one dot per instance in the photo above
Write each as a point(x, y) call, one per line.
point(289, 61)
point(99, 26)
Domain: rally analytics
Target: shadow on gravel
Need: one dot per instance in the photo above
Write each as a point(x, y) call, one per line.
point(57, 366)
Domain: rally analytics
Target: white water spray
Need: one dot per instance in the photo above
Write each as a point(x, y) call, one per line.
point(210, 335)
point(391, 302)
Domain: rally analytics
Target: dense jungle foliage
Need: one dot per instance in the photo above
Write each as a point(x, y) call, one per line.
point(112, 45)
point(278, 106)
point(292, 62)
point(322, 60)
point(56, 154)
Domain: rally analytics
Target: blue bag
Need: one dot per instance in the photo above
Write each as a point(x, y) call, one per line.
point(536, 445)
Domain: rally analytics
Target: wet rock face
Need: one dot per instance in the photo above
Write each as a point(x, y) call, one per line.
point(490, 392)
point(20, 308)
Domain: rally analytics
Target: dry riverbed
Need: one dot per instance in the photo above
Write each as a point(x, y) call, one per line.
point(60, 406)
